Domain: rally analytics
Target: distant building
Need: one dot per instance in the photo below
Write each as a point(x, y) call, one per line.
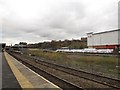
point(84, 39)
point(2, 46)
point(104, 40)
point(20, 45)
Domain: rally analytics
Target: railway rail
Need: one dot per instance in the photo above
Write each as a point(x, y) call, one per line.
point(62, 83)
point(110, 82)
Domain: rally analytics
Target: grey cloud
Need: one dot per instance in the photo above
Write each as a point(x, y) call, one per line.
point(66, 19)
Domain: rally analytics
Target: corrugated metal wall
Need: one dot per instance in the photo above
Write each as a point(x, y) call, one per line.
point(108, 38)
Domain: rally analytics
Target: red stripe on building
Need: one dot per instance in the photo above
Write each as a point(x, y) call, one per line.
point(106, 46)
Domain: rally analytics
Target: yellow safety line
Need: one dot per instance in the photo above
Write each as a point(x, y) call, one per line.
point(24, 83)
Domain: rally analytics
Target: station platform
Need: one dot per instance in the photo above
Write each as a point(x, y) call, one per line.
point(8, 78)
point(17, 75)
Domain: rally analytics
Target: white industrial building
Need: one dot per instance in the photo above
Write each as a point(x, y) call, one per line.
point(104, 40)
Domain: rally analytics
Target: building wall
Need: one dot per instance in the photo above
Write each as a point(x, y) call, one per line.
point(119, 37)
point(105, 39)
point(89, 40)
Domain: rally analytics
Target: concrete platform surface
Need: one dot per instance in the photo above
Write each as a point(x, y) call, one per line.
point(26, 77)
point(8, 78)
point(0, 70)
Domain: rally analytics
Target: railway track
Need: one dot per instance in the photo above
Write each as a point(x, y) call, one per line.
point(110, 82)
point(62, 83)
point(115, 83)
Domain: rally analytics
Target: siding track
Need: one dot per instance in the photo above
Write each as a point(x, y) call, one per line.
point(40, 65)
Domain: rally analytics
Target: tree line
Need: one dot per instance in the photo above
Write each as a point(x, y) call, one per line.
point(71, 44)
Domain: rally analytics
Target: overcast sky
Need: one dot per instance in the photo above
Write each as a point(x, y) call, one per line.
point(43, 20)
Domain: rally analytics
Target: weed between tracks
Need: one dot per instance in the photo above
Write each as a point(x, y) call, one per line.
point(97, 64)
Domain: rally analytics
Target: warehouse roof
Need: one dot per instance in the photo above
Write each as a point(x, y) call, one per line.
point(104, 32)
